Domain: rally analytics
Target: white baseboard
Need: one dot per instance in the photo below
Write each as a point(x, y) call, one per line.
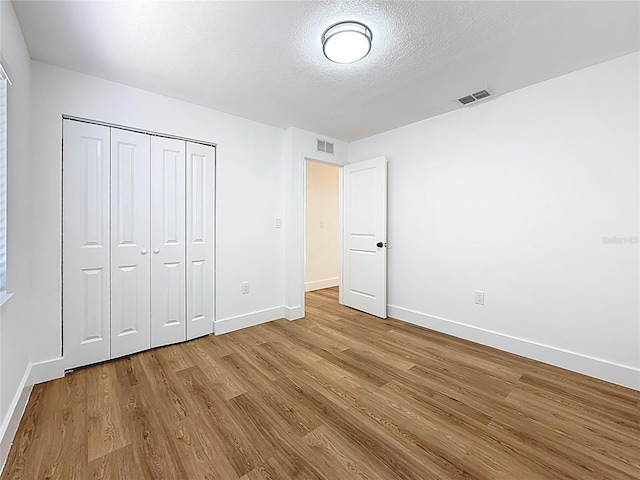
point(47, 370)
point(230, 324)
point(293, 313)
point(320, 284)
point(14, 415)
point(593, 367)
point(35, 373)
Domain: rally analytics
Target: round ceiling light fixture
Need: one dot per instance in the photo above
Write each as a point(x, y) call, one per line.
point(346, 42)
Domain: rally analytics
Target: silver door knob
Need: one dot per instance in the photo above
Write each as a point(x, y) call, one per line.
point(156, 250)
point(143, 251)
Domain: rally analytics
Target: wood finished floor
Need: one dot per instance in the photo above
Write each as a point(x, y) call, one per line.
point(338, 395)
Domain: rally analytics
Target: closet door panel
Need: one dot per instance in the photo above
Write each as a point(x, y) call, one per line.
point(85, 251)
point(200, 239)
point(130, 242)
point(167, 241)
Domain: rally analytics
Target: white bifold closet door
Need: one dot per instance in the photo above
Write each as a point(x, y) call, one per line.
point(200, 239)
point(130, 238)
point(168, 209)
point(86, 249)
point(138, 242)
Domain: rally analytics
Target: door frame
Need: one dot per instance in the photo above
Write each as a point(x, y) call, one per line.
point(295, 239)
point(339, 166)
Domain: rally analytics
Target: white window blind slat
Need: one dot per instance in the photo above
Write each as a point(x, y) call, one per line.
point(3, 181)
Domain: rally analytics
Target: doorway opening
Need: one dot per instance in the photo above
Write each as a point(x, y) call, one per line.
point(322, 252)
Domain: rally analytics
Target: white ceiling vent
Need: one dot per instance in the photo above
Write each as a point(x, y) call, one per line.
point(474, 97)
point(324, 146)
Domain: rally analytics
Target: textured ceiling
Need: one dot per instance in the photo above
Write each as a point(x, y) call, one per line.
point(263, 60)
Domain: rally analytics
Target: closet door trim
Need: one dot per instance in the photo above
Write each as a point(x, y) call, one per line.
point(137, 130)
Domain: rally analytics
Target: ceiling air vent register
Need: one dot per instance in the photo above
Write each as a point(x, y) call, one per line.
point(324, 146)
point(474, 97)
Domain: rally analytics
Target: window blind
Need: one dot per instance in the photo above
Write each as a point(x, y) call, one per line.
point(3, 181)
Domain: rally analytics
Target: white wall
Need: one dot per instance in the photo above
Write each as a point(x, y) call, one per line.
point(249, 193)
point(322, 234)
point(513, 197)
point(16, 316)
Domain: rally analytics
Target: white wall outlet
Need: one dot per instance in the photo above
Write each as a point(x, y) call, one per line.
point(278, 222)
point(479, 297)
point(321, 224)
point(245, 287)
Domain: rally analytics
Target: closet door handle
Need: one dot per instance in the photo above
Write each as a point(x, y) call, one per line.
point(156, 250)
point(143, 251)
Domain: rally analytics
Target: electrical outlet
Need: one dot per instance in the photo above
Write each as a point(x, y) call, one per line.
point(245, 287)
point(479, 297)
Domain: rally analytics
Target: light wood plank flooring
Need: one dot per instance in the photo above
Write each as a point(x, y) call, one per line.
point(338, 395)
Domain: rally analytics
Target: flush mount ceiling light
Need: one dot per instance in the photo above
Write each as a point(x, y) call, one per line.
point(346, 42)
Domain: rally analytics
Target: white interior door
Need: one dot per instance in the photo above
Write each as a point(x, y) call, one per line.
point(167, 241)
point(364, 252)
point(200, 239)
point(85, 251)
point(130, 242)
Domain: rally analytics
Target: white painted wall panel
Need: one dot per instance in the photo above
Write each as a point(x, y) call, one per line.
point(516, 197)
point(18, 319)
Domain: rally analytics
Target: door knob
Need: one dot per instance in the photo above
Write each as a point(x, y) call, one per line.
point(379, 244)
point(143, 251)
point(156, 250)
